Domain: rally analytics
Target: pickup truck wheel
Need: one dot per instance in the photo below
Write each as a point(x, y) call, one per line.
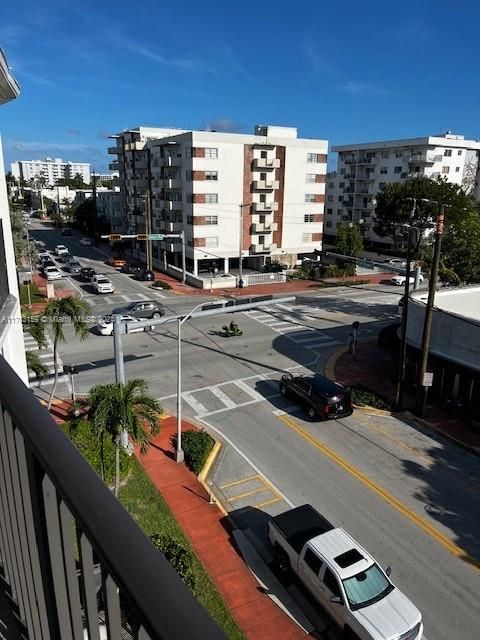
point(282, 563)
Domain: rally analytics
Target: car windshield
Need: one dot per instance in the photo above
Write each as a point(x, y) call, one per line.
point(103, 281)
point(367, 587)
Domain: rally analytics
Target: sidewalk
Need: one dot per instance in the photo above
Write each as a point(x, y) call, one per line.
point(372, 368)
point(210, 534)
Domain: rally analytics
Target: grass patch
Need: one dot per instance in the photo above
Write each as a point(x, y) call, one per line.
point(35, 294)
point(150, 511)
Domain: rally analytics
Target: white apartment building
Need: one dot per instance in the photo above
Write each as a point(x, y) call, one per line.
point(261, 194)
point(106, 177)
point(363, 169)
point(50, 169)
point(11, 333)
point(109, 207)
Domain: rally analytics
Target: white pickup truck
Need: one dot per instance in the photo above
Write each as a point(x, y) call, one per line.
point(342, 577)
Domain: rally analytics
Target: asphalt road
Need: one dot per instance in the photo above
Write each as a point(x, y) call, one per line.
point(411, 499)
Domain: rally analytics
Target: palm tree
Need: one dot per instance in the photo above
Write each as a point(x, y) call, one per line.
point(58, 312)
point(36, 329)
point(113, 408)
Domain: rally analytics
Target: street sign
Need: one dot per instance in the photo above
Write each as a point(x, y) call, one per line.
point(428, 379)
point(141, 236)
point(156, 236)
point(115, 236)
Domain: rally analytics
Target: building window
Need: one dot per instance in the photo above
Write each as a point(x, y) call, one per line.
point(447, 153)
point(329, 212)
point(189, 219)
point(211, 220)
point(342, 172)
point(211, 243)
point(211, 198)
point(310, 177)
point(397, 170)
point(211, 175)
point(329, 199)
point(309, 217)
point(457, 169)
point(340, 198)
point(341, 185)
point(211, 153)
point(445, 169)
point(384, 155)
point(329, 224)
point(310, 197)
point(398, 154)
point(316, 157)
point(308, 237)
point(459, 152)
point(331, 185)
point(383, 170)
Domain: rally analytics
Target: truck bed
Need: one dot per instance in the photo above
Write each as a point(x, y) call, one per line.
point(301, 524)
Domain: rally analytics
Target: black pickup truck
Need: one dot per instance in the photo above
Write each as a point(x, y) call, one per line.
point(322, 398)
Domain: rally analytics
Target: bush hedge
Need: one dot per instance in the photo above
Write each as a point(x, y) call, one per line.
point(362, 396)
point(161, 284)
point(180, 558)
point(196, 446)
point(89, 446)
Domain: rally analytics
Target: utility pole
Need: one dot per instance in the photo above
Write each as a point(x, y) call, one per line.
point(421, 400)
point(240, 247)
point(148, 226)
point(184, 260)
point(94, 197)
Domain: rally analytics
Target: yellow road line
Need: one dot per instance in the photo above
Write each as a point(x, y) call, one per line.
point(389, 499)
point(237, 482)
point(260, 505)
point(247, 493)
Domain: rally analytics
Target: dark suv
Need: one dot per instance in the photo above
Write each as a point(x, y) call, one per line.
point(142, 309)
point(322, 398)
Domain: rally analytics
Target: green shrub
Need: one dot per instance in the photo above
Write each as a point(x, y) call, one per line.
point(179, 557)
point(196, 446)
point(89, 446)
point(161, 284)
point(362, 396)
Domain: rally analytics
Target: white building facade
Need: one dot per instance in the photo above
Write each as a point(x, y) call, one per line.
point(11, 333)
point(363, 169)
point(109, 208)
point(50, 169)
point(261, 194)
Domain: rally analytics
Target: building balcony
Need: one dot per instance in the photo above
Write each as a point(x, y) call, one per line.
point(113, 166)
point(134, 146)
point(261, 207)
point(265, 163)
point(425, 158)
point(171, 183)
point(265, 247)
point(361, 161)
point(263, 227)
point(265, 184)
point(66, 571)
point(350, 161)
point(114, 150)
point(174, 160)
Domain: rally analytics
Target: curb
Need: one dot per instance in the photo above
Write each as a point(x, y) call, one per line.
point(332, 361)
point(202, 476)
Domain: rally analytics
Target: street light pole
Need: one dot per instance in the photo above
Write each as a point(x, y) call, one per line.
point(240, 246)
point(421, 400)
point(179, 454)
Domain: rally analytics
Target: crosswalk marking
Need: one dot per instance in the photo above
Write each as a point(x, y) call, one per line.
point(45, 355)
point(223, 397)
point(196, 406)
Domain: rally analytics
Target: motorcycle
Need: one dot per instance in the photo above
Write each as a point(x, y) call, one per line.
point(228, 333)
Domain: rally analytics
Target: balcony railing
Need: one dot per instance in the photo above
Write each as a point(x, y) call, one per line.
point(266, 163)
point(265, 184)
point(265, 206)
point(72, 560)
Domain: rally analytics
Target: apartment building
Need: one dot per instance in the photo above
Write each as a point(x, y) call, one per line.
point(363, 169)
point(109, 208)
point(11, 333)
point(261, 195)
point(50, 169)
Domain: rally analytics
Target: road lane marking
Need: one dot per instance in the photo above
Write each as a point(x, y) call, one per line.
point(237, 482)
point(430, 530)
point(265, 503)
point(196, 406)
point(246, 494)
point(229, 404)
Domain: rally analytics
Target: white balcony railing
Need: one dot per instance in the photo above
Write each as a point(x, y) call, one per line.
point(266, 163)
point(265, 184)
point(265, 206)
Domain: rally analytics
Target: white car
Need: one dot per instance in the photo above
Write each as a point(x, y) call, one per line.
point(105, 326)
point(52, 273)
point(397, 262)
point(61, 250)
point(400, 280)
point(101, 284)
point(87, 242)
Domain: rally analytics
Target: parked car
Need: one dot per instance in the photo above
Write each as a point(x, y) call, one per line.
point(143, 309)
point(67, 258)
point(74, 267)
point(342, 577)
point(52, 273)
point(61, 250)
point(87, 242)
point(101, 284)
point(396, 262)
point(146, 276)
point(400, 280)
point(66, 232)
point(43, 255)
point(132, 268)
point(87, 273)
point(322, 398)
point(105, 326)
point(47, 263)
point(116, 262)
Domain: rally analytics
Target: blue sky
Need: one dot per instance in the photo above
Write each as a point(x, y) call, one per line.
point(344, 71)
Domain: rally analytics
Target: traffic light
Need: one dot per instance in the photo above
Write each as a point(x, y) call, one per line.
point(141, 236)
point(115, 236)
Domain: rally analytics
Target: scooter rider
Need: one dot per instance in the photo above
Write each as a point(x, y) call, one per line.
point(233, 327)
